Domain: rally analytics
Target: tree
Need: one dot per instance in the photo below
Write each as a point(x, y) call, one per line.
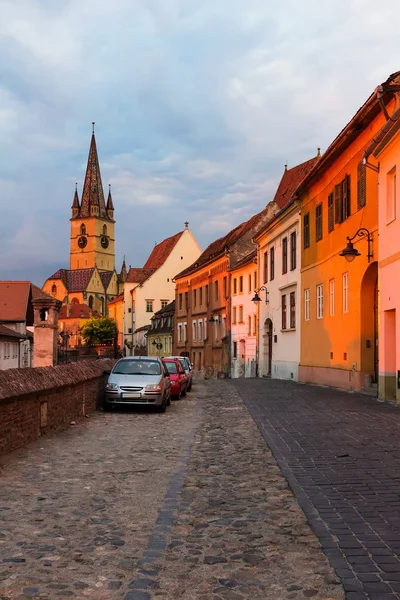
point(99, 330)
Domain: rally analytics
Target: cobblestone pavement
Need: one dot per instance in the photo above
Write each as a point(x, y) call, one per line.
point(136, 506)
point(340, 453)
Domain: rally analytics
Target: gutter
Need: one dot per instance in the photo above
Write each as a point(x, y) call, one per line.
point(389, 129)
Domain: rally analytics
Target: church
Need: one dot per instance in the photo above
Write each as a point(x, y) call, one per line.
point(91, 278)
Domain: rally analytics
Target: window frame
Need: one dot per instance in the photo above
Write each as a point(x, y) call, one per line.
point(292, 310)
point(293, 250)
point(272, 263)
point(283, 312)
point(345, 292)
point(318, 222)
point(307, 300)
point(284, 255)
point(332, 297)
point(320, 301)
point(306, 231)
point(266, 267)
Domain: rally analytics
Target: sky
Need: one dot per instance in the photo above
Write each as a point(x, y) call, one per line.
point(198, 106)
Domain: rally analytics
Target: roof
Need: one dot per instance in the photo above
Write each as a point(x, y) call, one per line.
point(76, 280)
point(119, 298)
point(161, 252)
point(170, 308)
point(245, 261)
point(38, 293)
point(7, 332)
point(137, 275)
point(77, 311)
point(143, 328)
point(92, 194)
point(106, 277)
point(14, 298)
point(290, 181)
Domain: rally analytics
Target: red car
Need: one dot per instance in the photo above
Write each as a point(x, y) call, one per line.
point(178, 377)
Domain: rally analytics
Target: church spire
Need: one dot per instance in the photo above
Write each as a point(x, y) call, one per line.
point(110, 205)
point(75, 203)
point(93, 196)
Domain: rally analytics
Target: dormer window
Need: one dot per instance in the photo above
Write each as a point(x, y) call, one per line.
point(104, 229)
point(83, 229)
point(54, 290)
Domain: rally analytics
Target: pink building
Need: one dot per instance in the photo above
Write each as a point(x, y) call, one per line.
point(384, 154)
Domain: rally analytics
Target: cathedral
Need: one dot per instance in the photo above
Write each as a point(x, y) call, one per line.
point(91, 278)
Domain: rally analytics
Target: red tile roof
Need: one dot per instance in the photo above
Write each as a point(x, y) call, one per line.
point(106, 277)
point(74, 281)
point(119, 298)
point(14, 298)
point(138, 275)
point(245, 261)
point(290, 181)
point(161, 252)
point(37, 293)
point(7, 332)
point(77, 311)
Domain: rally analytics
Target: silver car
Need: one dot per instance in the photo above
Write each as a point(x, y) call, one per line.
point(138, 380)
point(188, 366)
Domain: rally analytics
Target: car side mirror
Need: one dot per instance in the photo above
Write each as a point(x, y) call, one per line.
point(166, 373)
point(108, 372)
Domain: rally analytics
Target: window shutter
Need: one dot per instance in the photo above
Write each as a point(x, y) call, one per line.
point(346, 197)
point(331, 216)
point(361, 185)
point(338, 203)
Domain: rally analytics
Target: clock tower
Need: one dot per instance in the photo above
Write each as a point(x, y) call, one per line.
point(92, 224)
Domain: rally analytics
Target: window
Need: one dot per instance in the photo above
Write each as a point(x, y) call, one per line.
point(180, 301)
point(194, 331)
point(241, 284)
point(284, 255)
point(234, 349)
point(223, 327)
point(255, 280)
point(361, 185)
point(272, 263)
point(332, 298)
point(130, 330)
point(194, 298)
point(129, 310)
point(391, 195)
point(292, 310)
point(249, 325)
point(54, 290)
point(216, 329)
point(205, 329)
point(306, 231)
point(265, 267)
point(307, 305)
point(187, 301)
point(293, 250)
point(234, 285)
point(254, 324)
point(225, 287)
point(331, 213)
point(318, 222)
point(342, 200)
point(164, 303)
point(320, 301)
point(240, 314)
point(200, 328)
point(104, 229)
point(345, 292)
point(283, 311)
point(185, 338)
point(249, 283)
point(149, 305)
point(201, 296)
point(207, 295)
point(83, 229)
point(234, 315)
point(216, 291)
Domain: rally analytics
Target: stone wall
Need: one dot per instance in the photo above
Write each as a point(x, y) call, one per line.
point(34, 401)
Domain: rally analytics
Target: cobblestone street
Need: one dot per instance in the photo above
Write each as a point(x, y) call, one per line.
point(135, 505)
point(340, 453)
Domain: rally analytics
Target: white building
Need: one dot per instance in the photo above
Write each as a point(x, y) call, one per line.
point(152, 287)
point(244, 317)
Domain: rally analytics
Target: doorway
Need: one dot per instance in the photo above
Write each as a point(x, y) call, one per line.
point(267, 362)
point(369, 323)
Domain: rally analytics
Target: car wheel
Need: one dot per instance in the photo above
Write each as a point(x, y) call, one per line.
point(107, 407)
point(163, 406)
point(184, 391)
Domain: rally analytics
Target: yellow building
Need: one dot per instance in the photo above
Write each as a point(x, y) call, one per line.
point(339, 205)
point(160, 332)
point(91, 278)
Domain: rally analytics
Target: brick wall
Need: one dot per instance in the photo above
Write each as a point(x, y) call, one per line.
point(34, 401)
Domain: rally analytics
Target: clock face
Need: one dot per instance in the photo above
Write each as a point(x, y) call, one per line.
point(104, 241)
point(82, 241)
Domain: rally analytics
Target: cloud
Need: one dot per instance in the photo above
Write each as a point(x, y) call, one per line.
point(198, 106)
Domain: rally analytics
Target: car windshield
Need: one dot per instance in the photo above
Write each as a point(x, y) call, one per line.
point(171, 366)
point(184, 363)
point(137, 367)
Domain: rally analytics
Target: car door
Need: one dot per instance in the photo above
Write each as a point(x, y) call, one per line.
point(167, 380)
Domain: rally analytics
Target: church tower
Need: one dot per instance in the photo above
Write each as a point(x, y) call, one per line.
point(92, 241)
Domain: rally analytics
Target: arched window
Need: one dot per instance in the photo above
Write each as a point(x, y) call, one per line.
point(54, 290)
point(102, 306)
point(90, 301)
point(104, 229)
point(74, 301)
point(83, 229)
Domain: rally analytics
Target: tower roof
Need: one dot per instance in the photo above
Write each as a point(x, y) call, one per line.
point(93, 194)
point(110, 205)
point(75, 203)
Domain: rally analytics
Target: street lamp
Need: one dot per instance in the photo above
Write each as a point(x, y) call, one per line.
point(350, 252)
point(257, 298)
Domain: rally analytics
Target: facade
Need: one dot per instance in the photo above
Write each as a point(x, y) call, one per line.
point(279, 258)
point(384, 154)
point(244, 283)
point(339, 299)
point(91, 278)
point(10, 348)
point(202, 301)
point(161, 331)
point(151, 288)
point(71, 319)
point(116, 312)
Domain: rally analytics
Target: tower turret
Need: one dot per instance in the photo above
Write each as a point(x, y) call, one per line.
point(110, 205)
point(75, 203)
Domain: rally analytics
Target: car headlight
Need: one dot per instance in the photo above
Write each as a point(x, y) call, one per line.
point(112, 386)
point(153, 387)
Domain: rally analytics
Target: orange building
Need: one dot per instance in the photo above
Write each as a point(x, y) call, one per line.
point(116, 312)
point(339, 205)
point(71, 319)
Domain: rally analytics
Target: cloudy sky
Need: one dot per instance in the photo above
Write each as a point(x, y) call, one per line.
point(198, 105)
